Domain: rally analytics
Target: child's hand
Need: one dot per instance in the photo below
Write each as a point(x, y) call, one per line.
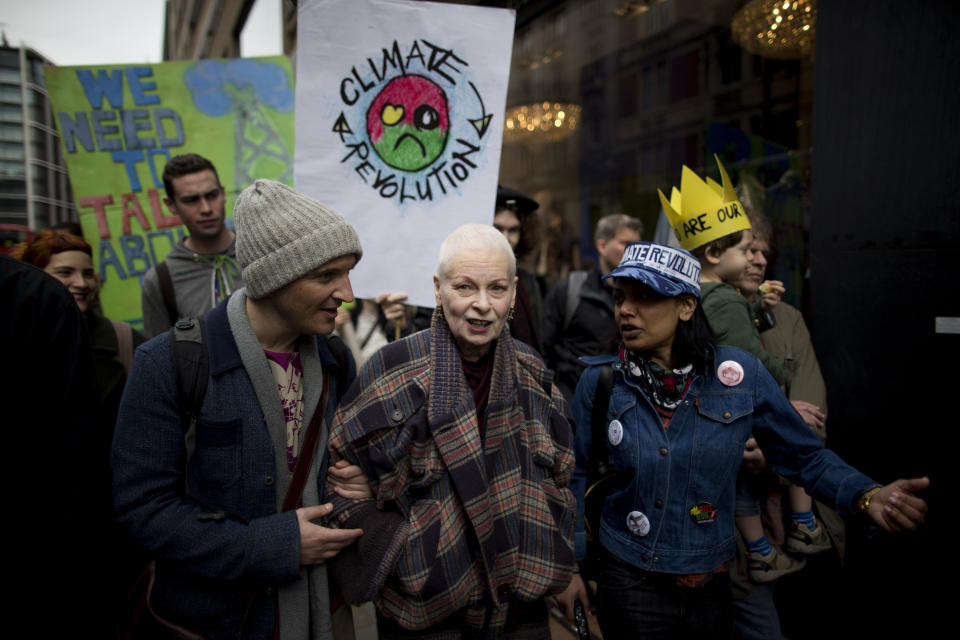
point(770, 292)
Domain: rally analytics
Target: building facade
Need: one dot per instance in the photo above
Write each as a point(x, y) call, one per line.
point(34, 189)
point(198, 29)
point(655, 85)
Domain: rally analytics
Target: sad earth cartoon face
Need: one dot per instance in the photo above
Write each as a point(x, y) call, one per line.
point(408, 122)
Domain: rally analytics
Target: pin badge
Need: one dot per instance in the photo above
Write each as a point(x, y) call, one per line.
point(615, 432)
point(730, 373)
point(703, 513)
point(638, 524)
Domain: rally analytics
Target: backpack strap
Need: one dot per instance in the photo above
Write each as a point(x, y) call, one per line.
point(600, 464)
point(124, 344)
point(575, 282)
point(166, 290)
point(599, 473)
point(192, 365)
point(341, 353)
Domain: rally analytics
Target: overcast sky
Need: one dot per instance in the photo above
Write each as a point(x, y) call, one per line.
point(88, 32)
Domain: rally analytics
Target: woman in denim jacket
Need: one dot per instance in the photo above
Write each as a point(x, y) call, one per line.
point(680, 412)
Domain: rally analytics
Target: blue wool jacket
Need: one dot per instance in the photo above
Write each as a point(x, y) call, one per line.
point(221, 538)
point(683, 478)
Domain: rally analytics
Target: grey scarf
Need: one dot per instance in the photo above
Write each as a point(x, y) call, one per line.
point(304, 605)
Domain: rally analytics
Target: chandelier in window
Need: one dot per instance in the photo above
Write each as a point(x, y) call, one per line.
point(776, 28)
point(540, 122)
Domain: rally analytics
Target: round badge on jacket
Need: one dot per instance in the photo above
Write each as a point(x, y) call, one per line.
point(730, 373)
point(615, 432)
point(638, 523)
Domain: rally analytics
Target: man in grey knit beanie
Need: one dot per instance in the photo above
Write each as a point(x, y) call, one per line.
point(227, 553)
point(283, 235)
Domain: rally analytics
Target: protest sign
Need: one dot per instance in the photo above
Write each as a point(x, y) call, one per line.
point(399, 124)
point(119, 125)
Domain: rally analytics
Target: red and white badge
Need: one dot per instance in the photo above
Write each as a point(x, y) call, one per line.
point(730, 373)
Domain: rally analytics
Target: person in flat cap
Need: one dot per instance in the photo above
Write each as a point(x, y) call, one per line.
point(673, 421)
point(218, 475)
point(515, 217)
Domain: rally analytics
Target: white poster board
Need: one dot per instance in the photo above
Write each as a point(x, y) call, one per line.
point(399, 124)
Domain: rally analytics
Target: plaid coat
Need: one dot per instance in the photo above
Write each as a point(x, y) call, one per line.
point(458, 525)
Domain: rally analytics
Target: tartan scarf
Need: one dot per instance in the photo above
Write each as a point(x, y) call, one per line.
point(448, 384)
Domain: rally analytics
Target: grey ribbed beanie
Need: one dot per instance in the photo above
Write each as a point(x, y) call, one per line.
point(283, 235)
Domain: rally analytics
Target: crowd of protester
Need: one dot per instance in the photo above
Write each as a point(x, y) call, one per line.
point(281, 453)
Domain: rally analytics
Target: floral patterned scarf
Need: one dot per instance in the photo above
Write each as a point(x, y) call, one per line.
point(664, 388)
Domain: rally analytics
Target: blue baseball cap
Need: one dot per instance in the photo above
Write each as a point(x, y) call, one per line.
point(670, 271)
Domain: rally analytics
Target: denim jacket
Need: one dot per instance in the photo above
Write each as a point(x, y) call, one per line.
point(681, 480)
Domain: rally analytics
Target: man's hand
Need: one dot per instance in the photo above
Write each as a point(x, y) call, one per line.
point(895, 509)
point(574, 591)
point(348, 481)
point(811, 414)
point(753, 457)
point(393, 309)
point(770, 292)
point(320, 543)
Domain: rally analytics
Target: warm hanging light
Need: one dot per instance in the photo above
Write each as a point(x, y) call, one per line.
point(540, 122)
point(776, 28)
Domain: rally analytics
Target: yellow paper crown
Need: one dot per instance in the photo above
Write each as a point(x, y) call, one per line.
point(701, 212)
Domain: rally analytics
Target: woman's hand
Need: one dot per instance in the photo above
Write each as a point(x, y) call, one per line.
point(393, 309)
point(895, 509)
point(576, 590)
point(348, 481)
point(770, 292)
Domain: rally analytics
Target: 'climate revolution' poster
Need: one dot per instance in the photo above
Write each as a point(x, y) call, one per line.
point(399, 124)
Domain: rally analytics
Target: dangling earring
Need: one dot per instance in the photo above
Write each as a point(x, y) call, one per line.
point(439, 311)
point(510, 315)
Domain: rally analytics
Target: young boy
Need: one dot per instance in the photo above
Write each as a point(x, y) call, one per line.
point(711, 223)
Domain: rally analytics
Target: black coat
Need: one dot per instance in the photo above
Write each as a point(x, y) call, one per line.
point(591, 331)
point(56, 457)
